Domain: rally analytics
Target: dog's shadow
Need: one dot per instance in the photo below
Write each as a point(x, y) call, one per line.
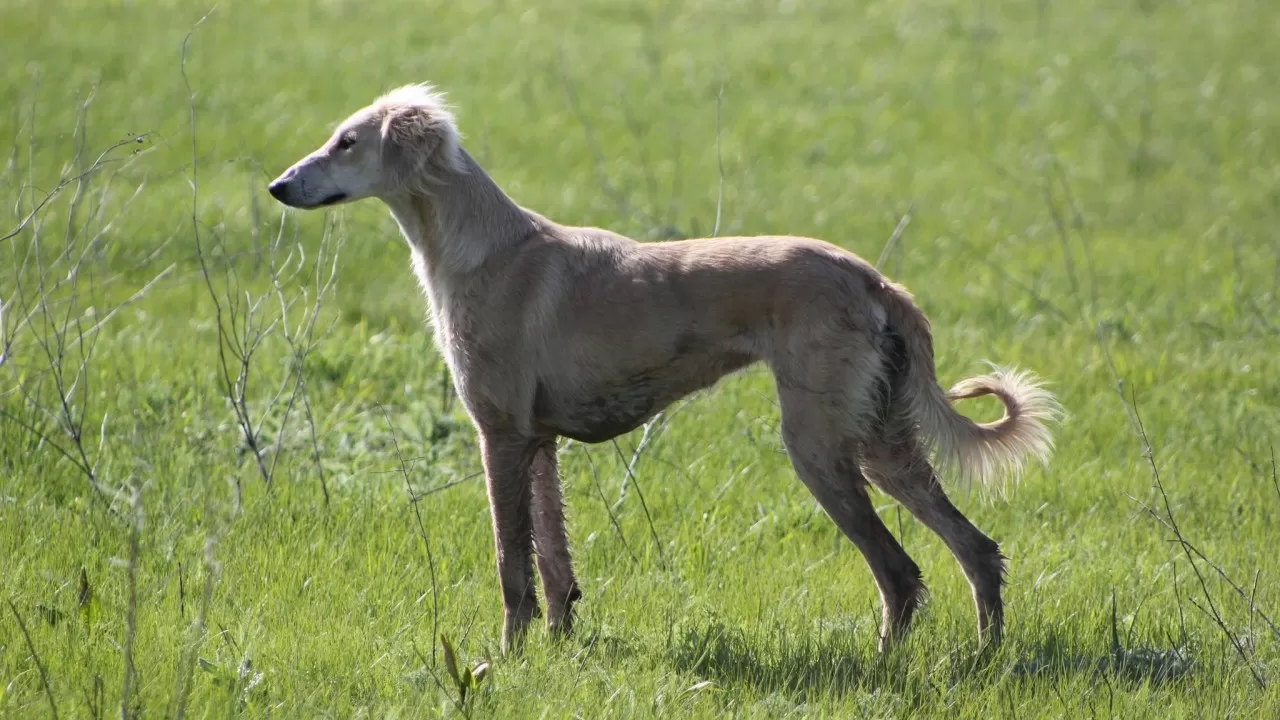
point(1135, 664)
point(771, 661)
point(836, 662)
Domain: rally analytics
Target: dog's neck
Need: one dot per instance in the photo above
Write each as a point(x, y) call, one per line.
point(459, 222)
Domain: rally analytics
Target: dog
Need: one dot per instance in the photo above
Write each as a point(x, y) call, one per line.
point(557, 331)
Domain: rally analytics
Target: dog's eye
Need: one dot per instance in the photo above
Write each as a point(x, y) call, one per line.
point(346, 141)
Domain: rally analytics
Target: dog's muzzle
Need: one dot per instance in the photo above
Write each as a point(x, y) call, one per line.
point(289, 190)
point(280, 187)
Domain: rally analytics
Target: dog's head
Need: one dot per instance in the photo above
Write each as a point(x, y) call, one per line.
point(403, 142)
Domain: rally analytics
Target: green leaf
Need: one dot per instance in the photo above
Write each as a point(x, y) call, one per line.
point(85, 593)
point(450, 660)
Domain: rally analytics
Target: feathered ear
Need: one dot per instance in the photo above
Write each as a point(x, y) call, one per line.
point(420, 146)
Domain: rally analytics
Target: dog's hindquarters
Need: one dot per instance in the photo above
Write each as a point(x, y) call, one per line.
point(917, 416)
point(829, 388)
point(860, 402)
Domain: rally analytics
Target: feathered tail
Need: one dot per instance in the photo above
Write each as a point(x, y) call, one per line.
point(988, 452)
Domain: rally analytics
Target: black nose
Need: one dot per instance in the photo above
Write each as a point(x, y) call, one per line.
point(277, 189)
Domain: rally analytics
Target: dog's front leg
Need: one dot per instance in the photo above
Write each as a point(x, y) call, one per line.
point(507, 461)
point(551, 543)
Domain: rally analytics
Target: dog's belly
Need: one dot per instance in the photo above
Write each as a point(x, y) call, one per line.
point(597, 414)
point(600, 417)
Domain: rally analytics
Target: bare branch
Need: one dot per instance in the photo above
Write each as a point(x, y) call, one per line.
point(646, 437)
point(131, 606)
point(422, 531)
point(182, 692)
point(662, 561)
point(1031, 292)
point(60, 311)
point(246, 320)
point(613, 519)
point(44, 676)
point(892, 243)
point(715, 230)
point(102, 161)
point(1166, 518)
point(619, 198)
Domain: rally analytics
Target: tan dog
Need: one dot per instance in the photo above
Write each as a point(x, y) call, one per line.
point(551, 330)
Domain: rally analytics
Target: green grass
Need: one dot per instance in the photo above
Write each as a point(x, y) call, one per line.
point(1082, 178)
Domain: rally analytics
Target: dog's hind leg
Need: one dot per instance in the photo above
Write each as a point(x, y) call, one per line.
point(551, 542)
point(508, 470)
point(824, 456)
point(899, 467)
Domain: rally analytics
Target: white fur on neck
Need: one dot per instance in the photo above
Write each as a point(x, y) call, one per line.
point(453, 230)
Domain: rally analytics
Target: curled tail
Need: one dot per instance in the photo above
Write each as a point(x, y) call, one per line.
point(983, 451)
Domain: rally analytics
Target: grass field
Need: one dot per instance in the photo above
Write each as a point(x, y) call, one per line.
point(1087, 189)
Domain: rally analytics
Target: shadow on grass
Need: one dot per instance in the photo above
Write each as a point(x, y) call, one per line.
point(840, 661)
point(772, 662)
point(1052, 659)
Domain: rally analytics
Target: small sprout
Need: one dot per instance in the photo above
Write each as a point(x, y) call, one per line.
point(85, 601)
point(468, 678)
point(86, 593)
point(450, 660)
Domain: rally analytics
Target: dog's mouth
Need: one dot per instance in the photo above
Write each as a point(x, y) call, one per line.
point(333, 199)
